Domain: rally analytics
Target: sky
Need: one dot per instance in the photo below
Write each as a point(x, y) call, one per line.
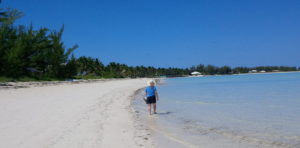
point(173, 33)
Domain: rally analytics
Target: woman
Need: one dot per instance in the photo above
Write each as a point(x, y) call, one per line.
point(152, 96)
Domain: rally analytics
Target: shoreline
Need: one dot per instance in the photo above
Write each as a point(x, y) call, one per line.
point(266, 72)
point(240, 74)
point(73, 115)
point(159, 137)
point(150, 123)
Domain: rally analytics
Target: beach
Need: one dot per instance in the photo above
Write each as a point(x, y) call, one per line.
point(75, 115)
point(237, 111)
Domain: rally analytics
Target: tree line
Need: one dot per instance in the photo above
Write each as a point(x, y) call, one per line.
point(213, 70)
point(41, 54)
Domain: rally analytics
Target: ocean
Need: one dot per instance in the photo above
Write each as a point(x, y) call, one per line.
point(229, 111)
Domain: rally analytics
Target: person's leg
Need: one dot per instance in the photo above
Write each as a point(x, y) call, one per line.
point(154, 108)
point(149, 108)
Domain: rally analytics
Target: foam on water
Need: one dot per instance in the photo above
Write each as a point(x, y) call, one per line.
point(242, 111)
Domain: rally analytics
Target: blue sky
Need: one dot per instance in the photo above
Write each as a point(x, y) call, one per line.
point(174, 33)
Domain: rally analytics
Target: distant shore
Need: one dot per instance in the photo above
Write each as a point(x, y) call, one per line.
point(245, 73)
point(266, 72)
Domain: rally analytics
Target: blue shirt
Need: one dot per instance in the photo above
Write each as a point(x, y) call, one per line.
point(150, 91)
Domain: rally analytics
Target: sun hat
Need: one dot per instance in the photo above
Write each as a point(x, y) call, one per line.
point(150, 81)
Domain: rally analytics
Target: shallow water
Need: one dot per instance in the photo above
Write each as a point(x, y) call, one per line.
point(236, 111)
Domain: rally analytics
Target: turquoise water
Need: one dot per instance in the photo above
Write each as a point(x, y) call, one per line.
point(256, 110)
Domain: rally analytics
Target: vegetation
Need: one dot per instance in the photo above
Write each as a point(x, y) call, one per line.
point(212, 70)
point(30, 54)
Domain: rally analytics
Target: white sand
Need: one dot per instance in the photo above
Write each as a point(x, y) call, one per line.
point(82, 115)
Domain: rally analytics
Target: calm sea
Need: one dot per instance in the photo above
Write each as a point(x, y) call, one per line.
point(234, 111)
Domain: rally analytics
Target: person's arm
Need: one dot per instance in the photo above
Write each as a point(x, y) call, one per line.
point(156, 95)
point(145, 92)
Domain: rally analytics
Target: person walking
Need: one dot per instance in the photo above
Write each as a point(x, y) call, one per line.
point(151, 96)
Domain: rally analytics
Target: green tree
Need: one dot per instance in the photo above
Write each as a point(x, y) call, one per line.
point(9, 16)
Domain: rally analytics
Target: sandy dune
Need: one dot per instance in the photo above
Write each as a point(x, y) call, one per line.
point(84, 115)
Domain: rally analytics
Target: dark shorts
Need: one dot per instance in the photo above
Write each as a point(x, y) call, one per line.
point(151, 100)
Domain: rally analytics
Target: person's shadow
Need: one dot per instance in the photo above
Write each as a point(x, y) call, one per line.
point(163, 113)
